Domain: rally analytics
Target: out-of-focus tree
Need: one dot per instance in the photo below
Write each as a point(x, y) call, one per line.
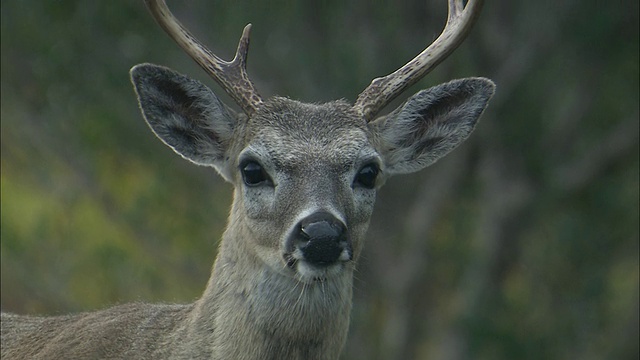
point(523, 243)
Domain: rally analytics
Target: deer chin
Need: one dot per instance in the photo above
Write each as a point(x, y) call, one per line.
point(308, 272)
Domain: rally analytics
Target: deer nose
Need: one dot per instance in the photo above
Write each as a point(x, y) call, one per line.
point(322, 239)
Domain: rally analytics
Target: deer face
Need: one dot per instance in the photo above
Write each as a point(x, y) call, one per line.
point(306, 175)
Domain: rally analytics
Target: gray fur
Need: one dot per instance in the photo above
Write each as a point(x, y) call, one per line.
point(256, 306)
point(431, 123)
point(178, 110)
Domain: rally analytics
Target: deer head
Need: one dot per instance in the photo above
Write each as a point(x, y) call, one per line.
point(306, 175)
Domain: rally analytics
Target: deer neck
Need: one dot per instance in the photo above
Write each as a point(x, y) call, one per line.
point(251, 311)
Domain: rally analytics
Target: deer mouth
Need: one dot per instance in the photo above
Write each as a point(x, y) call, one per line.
point(308, 271)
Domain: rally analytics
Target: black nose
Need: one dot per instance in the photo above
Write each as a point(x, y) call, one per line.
point(322, 238)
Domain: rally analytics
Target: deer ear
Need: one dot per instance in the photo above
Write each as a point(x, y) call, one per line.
point(185, 114)
point(431, 123)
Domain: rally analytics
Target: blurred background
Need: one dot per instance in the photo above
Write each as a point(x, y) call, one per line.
point(521, 244)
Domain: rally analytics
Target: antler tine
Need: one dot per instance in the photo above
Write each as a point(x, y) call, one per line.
point(232, 76)
point(382, 90)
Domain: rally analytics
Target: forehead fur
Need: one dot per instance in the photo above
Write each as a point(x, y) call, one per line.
point(310, 121)
point(292, 131)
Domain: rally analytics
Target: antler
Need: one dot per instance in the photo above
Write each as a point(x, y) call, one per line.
point(382, 90)
point(232, 76)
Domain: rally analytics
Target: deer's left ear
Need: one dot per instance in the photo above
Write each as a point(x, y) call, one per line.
point(431, 124)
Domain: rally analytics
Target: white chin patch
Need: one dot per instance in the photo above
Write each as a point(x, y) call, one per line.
point(310, 273)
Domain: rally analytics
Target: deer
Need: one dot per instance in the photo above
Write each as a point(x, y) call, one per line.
point(305, 178)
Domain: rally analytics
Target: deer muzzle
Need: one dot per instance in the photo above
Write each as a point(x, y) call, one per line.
point(321, 240)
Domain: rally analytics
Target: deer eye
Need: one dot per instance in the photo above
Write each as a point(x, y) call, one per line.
point(366, 177)
point(253, 174)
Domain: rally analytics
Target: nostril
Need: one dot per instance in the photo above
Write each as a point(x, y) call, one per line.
point(321, 238)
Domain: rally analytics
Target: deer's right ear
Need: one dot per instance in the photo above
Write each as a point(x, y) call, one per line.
point(185, 114)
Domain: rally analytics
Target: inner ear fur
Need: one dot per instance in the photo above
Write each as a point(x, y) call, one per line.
point(185, 114)
point(431, 123)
